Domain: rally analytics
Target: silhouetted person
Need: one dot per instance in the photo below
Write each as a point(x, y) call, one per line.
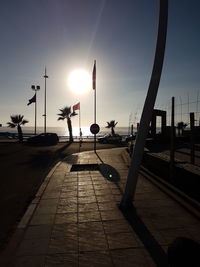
point(184, 252)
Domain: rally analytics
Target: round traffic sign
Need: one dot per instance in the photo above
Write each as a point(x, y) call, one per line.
point(94, 128)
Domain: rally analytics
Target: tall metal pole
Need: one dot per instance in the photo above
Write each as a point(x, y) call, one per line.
point(45, 100)
point(148, 108)
point(192, 138)
point(181, 108)
point(35, 89)
point(172, 148)
point(35, 111)
point(94, 88)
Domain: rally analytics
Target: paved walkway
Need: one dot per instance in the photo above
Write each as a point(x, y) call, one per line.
point(75, 221)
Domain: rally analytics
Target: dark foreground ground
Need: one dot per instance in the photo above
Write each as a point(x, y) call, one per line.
point(22, 170)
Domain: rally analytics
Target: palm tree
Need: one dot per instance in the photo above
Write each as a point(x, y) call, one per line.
point(111, 125)
point(181, 126)
point(17, 121)
point(67, 114)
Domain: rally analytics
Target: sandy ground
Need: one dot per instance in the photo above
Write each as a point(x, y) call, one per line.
point(23, 168)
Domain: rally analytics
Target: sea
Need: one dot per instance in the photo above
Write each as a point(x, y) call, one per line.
point(63, 131)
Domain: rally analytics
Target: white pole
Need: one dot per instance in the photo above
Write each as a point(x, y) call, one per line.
point(148, 108)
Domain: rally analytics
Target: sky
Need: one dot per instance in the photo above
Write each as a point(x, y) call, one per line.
point(65, 35)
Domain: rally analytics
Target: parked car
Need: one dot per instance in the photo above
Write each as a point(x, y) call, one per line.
point(108, 138)
point(130, 138)
point(44, 139)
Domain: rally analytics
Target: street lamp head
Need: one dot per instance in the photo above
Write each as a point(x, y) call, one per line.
point(35, 88)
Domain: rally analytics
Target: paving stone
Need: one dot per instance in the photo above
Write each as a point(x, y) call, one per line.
point(65, 229)
point(70, 207)
point(48, 202)
point(69, 193)
point(64, 244)
point(66, 218)
point(65, 197)
point(42, 219)
point(46, 210)
point(87, 207)
point(93, 243)
point(85, 187)
point(62, 260)
point(105, 198)
point(87, 199)
point(87, 193)
point(102, 192)
point(33, 247)
point(111, 215)
point(130, 258)
point(38, 232)
point(48, 195)
point(121, 240)
point(100, 186)
point(117, 226)
point(95, 259)
point(88, 216)
point(107, 206)
point(90, 228)
point(84, 183)
point(29, 261)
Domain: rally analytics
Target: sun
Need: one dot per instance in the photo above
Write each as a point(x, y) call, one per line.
point(79, 81)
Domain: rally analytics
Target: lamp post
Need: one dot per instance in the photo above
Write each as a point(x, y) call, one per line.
point(35, 88)
point(45, 103)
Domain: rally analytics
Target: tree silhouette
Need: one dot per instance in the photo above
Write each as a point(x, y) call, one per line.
point(67, 114)
point(111, 125)
point(181, 126)
point(17, 121)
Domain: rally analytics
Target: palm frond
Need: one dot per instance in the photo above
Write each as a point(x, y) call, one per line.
point(24, 122)
point(65, 112)
point(73, 114)
point(11, 125)
point(61, 118)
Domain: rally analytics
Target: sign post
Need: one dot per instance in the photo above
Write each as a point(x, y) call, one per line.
point(94, 129)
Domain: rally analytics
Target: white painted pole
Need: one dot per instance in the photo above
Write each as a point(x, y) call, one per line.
point(148, 108)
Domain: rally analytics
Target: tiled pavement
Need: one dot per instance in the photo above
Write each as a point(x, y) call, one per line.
point(75, 220)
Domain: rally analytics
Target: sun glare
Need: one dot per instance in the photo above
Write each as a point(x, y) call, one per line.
point(79, 81)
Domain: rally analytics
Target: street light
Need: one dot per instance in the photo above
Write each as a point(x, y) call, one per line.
point(45, 100)
point(35, 88)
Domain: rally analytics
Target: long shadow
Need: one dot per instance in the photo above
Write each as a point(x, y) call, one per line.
point(186, 153)
point(149, 242)
point(110, 173)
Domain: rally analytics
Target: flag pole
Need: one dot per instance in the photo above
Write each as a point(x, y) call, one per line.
point(45, 103)
point(80, 121)
point(35, 110)
point(94, 87)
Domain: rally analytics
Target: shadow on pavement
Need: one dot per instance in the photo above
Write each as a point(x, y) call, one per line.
point(153, 247)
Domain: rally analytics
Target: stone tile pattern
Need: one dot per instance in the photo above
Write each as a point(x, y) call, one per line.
point(78, 223)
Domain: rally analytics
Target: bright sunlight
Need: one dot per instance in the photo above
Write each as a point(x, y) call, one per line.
point(79, 81)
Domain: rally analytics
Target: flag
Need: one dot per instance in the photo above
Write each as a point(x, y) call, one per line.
point(32, 100)
point(94, 76)
point(76, 107)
